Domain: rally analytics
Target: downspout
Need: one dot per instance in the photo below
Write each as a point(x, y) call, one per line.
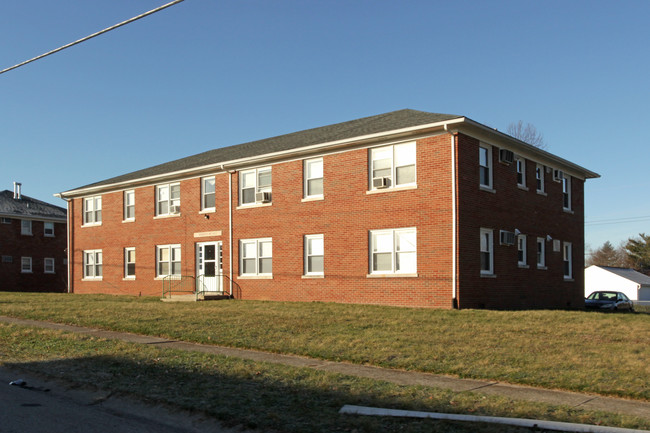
point(70, 204)
point(454, 247)
point(230, 247)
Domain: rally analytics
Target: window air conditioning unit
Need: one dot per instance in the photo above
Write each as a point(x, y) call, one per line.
point(380, 182)
point(175, 209)
point(506, 238)
point(263, 197)
point(506, 156)
point(558, 175)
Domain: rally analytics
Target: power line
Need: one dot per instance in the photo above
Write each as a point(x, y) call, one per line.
point(618, 220)
point(123, 23)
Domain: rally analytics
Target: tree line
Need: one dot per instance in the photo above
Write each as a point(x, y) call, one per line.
point(633, 253)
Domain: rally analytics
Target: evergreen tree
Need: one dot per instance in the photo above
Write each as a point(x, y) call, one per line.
point(638, 250)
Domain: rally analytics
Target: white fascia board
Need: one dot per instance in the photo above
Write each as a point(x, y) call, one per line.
point(258, 160)
point(32, 217)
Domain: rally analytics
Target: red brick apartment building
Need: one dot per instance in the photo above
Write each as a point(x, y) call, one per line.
point(406, 208)
point(33, 240)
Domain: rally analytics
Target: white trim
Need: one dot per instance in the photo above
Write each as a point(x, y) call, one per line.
point(393, 249)
point(256, 187)
point(95, 221)
point(31, 265)
point(169, 201)
point(125, 275)
point(567, 250)
point(125, 205)
point(170, 261)
point(258, 256)
point(541, 264)
point(30, 231)
point(522, 263)
point(45, 223)
point(306, 179)
point(489, 186)
point(94, 265)
point(306, 255)
point(392, 149)
point(202, 194)
point(489, 249)
point(45, 260)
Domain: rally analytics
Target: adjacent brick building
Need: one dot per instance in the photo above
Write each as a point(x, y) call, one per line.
point(405, 208)
point(33, 244)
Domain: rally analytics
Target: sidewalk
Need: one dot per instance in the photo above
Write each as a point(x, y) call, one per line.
point(400, 377)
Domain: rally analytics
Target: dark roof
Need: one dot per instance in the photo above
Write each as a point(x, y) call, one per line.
point(629, 274)
point(340, 131)
point(28, 207)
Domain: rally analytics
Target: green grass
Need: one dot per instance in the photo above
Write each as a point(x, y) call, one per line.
point(572, 350)
point(262, 395)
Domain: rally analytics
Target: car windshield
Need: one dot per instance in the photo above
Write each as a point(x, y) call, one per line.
point(603, 296)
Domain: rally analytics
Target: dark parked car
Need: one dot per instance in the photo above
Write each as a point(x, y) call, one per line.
point(609, 301)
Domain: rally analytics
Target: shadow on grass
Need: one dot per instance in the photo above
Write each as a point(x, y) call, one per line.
point(252, 395)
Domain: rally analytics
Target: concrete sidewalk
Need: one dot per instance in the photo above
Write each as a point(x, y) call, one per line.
point(400, 377)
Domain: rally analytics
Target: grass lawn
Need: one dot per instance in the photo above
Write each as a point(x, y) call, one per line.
point(573, 350)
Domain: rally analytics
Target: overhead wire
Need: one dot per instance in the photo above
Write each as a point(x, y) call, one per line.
point(108, 29)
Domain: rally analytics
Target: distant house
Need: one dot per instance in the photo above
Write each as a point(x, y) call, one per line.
point(634, 284)
point(32, 244)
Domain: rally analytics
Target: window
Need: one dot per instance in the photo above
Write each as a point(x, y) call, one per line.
point(92, 210)
point(313, 178)
point(520, 163)
point(256, 257)
point(395, 164)
point(168, 260)
point(539, 177)
point(207, 194)
point(93, 264)
point(521, 250)
point(541, 253)
point(129, 262)
point(485, 164)
point(26, 265)
point(487, 252)
point(26, 227)
point(49, 265)
point(6, 220)
point(568, 261)
point(7, 259)
point(566, 192)
point(252, 182)
point(168, 199)
point(393, 251)
point(48, 229)
point(129, 205)
point(314, 255)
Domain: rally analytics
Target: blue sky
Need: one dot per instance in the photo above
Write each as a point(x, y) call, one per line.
point(207, 73)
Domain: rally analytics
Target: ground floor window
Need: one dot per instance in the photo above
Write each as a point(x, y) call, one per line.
point(568, 262)
point(521, 250)
point(93, 264)
point(393, 251)
point(314, 255)
point(541, 253)
point(49, 265)
point(26, 265)
point(487, 252)
point(129, 262)
point(256, 257)
point(168, 260)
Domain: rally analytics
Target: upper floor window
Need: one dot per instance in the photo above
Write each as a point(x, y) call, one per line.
point(129, 262)
point(393, 251)
point(256, 257)
point(6, 220)
point(168, 260)
point(568, 261)
point(487, 252)
point(92, 264)
point(539, 177)
point(26, 265)
point(26, 227)
point(48, 229)
point(313, 171)
point(207, 193)
point(485, 166)
point(566, 191)
point(129, 205)
point(521, 250)
point(520, 164)
point(314, 255)
point(48, 265)
point(541, 254)
point(253, 184)
point(93, 210)
point(393, 166)
point(168, 199)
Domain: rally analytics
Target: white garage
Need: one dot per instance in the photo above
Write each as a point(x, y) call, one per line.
point(634, 284)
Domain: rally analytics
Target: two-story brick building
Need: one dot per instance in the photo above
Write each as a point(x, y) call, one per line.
point(405, 208)
point(33, 244)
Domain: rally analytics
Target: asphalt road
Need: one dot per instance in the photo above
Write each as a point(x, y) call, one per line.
point(46, 407)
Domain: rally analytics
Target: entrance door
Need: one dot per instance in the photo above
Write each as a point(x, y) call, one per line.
point(209, 267)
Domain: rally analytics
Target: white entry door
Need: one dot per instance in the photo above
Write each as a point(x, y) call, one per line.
point(208, 267)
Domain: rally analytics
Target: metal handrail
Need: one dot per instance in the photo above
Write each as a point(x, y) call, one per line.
point(236, 287)
point(178, 284)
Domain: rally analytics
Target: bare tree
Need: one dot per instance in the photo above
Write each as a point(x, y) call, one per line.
point(607, 255)
point(527, 133)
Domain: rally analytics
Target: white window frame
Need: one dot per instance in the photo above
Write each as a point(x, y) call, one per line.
point(309, 243)
point(566, 192)
point(25, 261)
point(260, 254)
point(487, 166)
point(206, 193)
point(26, 227)
point(93, 268)
point(50, 261)
point(6, 220)
point(92, 210)
point(128, 261)
point(541, 253)
point(394, 150)
point(486, 246)
point(50, 225)
point(310, 177)
point(172, 259)
point(567, 260)
point(129, 205)
point(256, 187)
point(539, 178)
point(395, 250)
point(522, 259)
point(520, 166)
point(168, 189)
